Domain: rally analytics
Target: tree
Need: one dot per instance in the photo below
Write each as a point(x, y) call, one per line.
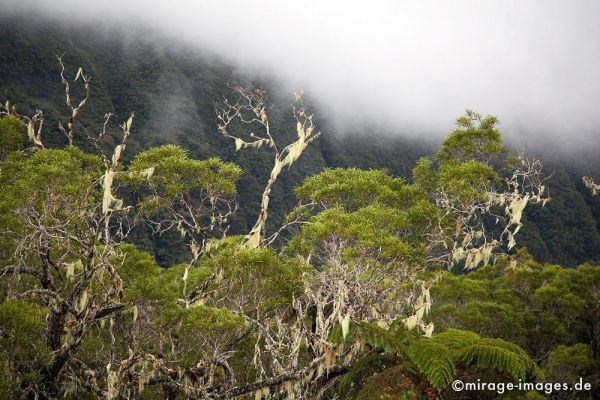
point(241, 317)
point(536, 306)
point(374, 240)
point(11, 136)
point(64, 232)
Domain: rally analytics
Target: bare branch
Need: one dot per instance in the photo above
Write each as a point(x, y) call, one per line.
point(249, 109)
point(74, 110)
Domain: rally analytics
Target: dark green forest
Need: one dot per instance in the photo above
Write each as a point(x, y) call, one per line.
point(170, 228)
point(173, 94)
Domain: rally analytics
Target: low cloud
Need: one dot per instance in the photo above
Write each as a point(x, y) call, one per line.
point(403, 66)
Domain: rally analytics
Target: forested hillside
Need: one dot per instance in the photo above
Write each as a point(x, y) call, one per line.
point(142, 192)
point(173, 92)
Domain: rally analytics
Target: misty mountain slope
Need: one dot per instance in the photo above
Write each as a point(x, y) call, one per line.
point(172, 94)
point(566, 230)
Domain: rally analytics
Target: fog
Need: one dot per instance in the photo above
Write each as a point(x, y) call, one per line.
point(409, 67)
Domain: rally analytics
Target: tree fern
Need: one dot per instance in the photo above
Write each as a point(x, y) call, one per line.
point(375, 336)
point(434, 361)
point(456, 339)
point(486, 357)
point(499, 355)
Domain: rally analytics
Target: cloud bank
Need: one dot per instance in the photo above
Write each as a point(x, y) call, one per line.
point(407, 66)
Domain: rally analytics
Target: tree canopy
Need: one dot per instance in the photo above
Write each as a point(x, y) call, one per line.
point(360, 279)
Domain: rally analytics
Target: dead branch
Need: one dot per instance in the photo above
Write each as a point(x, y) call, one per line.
point(249, 108)
point(74, 110)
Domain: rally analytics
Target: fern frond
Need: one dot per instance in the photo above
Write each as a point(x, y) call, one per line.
point(374, 335)
point(456, 339)
point(379, 337)
point(488, 356)
point(530, 365)
point(434, 360)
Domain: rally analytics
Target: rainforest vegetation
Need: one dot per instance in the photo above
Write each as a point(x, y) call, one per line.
point(124, 273)
point(173, 93)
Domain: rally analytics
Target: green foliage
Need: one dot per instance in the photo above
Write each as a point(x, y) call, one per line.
point(52, 177)
point(200, 331)
point(422, 174)
point(11, 136)
point(351, 189)
point(476, 139)
point(465, 182)
point(173, 99)
point(496, 354)
point(22, 348)
point(569, 363)
point(391, 341)
point(52, 183)
point(462, 168)
point(370, 212)
point(462, 173)
point(434, 360)
point(468, 350)
point(200, 320)
point(21, 323)
point(165, 179)
point(69, 258)
point(371, 229)
point(175, 173)
point(209, 319)
point(368, 215)
point(537, 307)
point(455, 339)
point(169, 284)
point(259, 278)
point(142, 278)
point(438, 360)
point(137, 265)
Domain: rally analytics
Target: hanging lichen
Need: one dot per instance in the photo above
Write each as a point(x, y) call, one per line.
point(590, 184)
point(112, 382)
point(515, 209)
point(422, 307)
point(345, 325)
point(109, 202)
